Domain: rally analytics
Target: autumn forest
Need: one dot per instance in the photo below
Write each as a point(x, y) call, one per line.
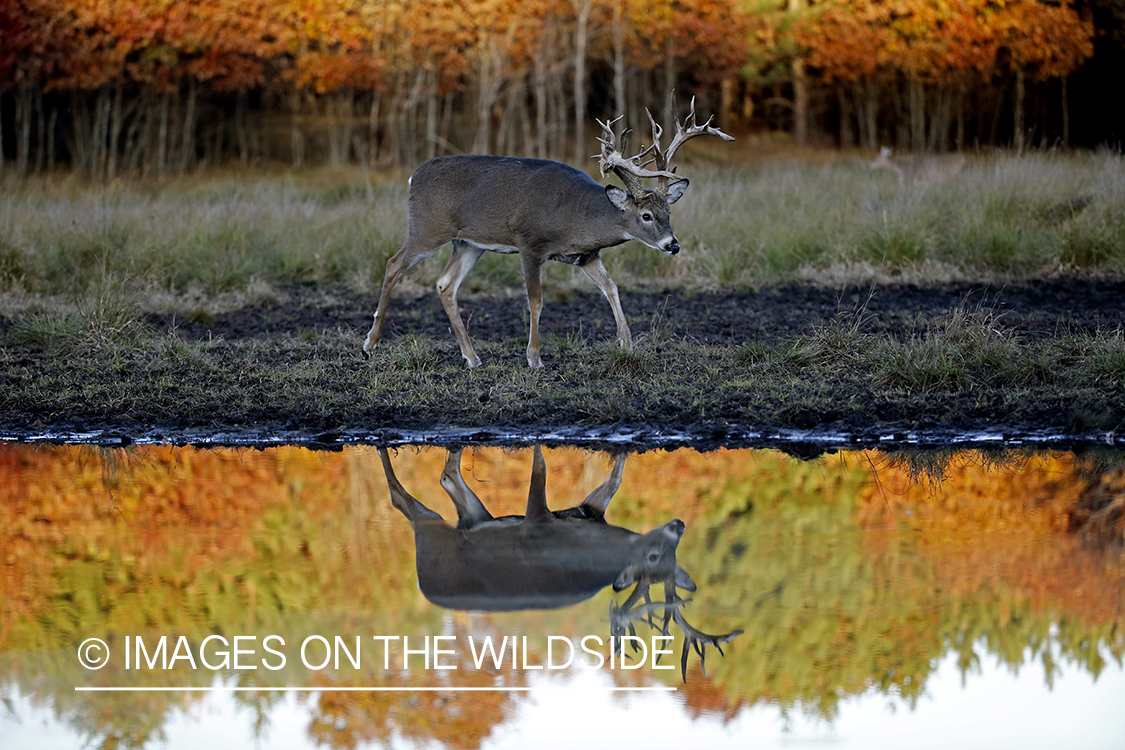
point(114, 88)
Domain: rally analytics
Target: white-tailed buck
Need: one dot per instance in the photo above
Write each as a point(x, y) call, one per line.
point(544, 559)
point(917, 170)
point(543, 210)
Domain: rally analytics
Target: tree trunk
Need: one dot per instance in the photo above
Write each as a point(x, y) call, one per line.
point(41, 128)
point(539, 79)
point(959, 138)
point(670, 76)
point(373, 130)
point(431, 114)
point(187, 146)
point(800, 103)
point(161, 160)
point(582, 13)
point(132, 150)
point(116, 118)
point(296, 137)
point(79, 142)
point(800, 89)
point(1017, 113)
point(24, 98)
point(1065, 113)
point(866, 95)
point(99, 155)
point(916, 97)
point(940, 115)
point(847, 136)
point(50, 140)
point(618, 59)
point(726, 103)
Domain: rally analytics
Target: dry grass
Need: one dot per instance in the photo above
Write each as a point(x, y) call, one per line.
point(821, 217)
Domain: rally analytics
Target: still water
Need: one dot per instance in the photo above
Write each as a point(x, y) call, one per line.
point(275, 598)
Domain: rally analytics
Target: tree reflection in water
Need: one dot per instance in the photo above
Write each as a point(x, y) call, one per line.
point(847, 575)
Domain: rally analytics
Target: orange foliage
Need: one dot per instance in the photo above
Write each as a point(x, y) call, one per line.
point(938, 41)
point(328, 45)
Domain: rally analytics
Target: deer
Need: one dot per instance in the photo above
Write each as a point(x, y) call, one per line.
point(919, 169)
point(541, 210)
point(545, 559)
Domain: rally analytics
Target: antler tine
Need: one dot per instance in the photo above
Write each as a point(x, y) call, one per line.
point(699, 641)
point(657, 131)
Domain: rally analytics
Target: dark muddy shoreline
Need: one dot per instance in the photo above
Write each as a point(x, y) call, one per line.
point(711, 369)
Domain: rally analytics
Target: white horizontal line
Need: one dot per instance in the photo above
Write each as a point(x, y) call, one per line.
point(501, 689)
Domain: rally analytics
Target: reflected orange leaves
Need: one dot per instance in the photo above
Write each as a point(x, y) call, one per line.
point(847, 572)
point(455, 720)
point(1004, 526)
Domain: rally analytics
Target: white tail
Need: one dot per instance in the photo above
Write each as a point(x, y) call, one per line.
point(919, 169)
point(543, 210)
point(544, 559)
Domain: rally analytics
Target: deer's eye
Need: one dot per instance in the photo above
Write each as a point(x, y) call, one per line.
point(653, 556)
point(646, 216)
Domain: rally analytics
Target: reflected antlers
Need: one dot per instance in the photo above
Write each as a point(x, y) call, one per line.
point(621, 619)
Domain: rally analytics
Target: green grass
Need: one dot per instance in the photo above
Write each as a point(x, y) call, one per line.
point(104, 318)
point(819, 217)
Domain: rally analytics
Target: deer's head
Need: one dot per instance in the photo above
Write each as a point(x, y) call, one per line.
point(646, 211)
point(653, 559)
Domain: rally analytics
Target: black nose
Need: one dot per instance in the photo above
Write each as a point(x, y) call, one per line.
point(674, 248)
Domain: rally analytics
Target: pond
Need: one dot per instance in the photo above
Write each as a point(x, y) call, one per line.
point(162, 596)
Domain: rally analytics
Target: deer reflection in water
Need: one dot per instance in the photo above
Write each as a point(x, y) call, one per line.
point(545, 559)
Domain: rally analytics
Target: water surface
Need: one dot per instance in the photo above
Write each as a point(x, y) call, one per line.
point(877, 609)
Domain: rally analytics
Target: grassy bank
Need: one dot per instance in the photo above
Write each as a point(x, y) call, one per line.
point(959, 372)
point(99, 284)
point(756, 220)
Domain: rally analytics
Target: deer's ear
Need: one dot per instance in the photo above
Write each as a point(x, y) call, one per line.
point(683, 580)
point(625, 578)
point(676, 190)
point(618, 197)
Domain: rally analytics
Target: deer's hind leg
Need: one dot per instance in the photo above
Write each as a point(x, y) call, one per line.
point(599, 498)
point(412, 253)
point(464, 258)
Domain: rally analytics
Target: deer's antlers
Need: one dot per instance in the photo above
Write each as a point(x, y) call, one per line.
point(630, 170)
point(685, 131)
point(622, 618)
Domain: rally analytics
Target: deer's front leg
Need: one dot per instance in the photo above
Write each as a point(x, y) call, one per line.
point(470, 510)
point(532, 278)
point(596, 272)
